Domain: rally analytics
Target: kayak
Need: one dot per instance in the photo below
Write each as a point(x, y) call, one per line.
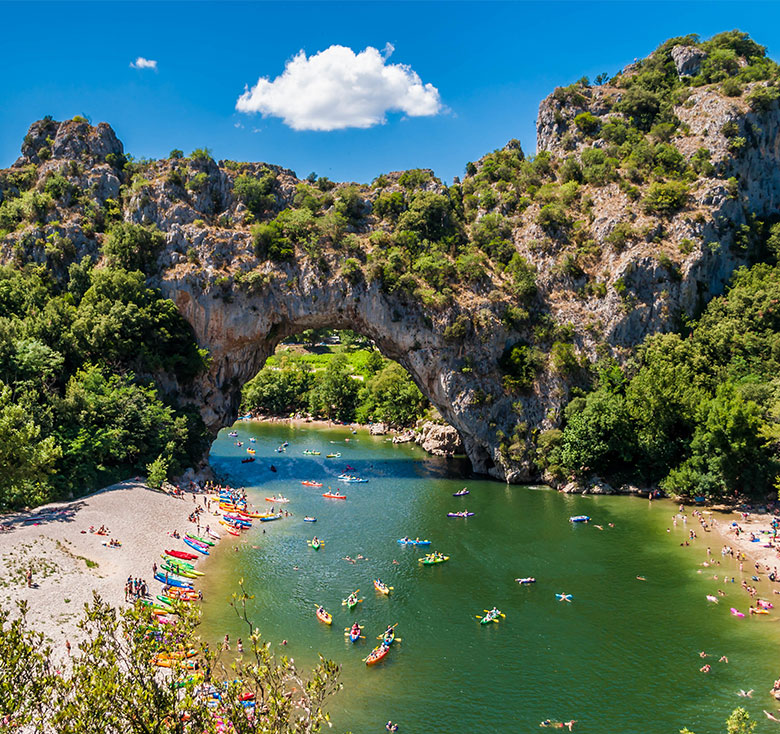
point(460, 514)
point(310, 519)
point(268, 518)
point(527, 580)
point(185, 572)
point(377, 654)
point(351, 601)
point(183, 555)
point(230, 528)
point(350, 478)
point(332, 456)
point(309, 452)
point(416, 541)
point(461, 493)
point(278, 500)
point(332, 496)
point(353, 636)
point(491, 616)
point(309, 483)
point(199, 539)
point(177, 561)
point(213, 534)
point(315, 544)
point(381, 587)
point(323, 616)
point(579, 518)
point(173, 580)
point(430, 560)
point(192, 544)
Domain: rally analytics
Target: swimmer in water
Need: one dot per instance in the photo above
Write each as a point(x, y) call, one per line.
point(705, 669)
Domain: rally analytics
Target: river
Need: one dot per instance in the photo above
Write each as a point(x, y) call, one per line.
point(622, 656)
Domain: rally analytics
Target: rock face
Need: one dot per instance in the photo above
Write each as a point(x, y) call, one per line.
point(241, 305)
point(687, 60)
point(440, 440)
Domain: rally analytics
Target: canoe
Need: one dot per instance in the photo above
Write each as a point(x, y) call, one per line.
point(381, 587)
point(389, 637)
point(579, 518)
point(351, 601)
point(488, 618)
point(315, 544)
point(408, 541)
point(353, 637)
point(250, 451)
point(332, 496)
point(310, 519)
point(377, 654)
point(248, 460)
point(173, 580)
point(185, 572)
point(183, 555)
point(323, 616)
point(177, 561)
point(428, 561)
point(311, 484)
point(192, 544)
point(460, 514)
point(205, 541)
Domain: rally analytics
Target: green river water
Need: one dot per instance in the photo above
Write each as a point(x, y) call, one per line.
point(622, 657)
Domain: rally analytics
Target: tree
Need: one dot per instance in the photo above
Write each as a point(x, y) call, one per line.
point(391, 396)
point(739, 722)
point(26, 458)
point(255, 193)
point(336, 394)
point(133, 247)
point(157, 472)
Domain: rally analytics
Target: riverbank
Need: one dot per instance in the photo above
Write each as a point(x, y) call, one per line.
point(68, 562)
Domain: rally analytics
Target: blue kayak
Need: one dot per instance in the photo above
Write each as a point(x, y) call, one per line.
point(580, 518)
point(409, 541)
point(173, 580)
point(195, 546)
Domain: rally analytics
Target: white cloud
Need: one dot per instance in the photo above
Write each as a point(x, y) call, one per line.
point(337, 88)
point(142, 63)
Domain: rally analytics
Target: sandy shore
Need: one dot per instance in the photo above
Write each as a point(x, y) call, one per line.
point(68, 562)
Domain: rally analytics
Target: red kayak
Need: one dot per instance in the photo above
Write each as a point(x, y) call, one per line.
point(183, 555)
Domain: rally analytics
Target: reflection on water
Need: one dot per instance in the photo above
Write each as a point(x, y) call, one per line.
point(621, 657)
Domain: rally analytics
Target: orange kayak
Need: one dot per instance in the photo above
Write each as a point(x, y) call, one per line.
point(377, 654)
point(332, 496)
point(323, 616)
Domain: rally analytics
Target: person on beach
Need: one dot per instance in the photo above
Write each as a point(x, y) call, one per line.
point(67, 646)
point(29, 577)
point(226, 643)
point(240, 645)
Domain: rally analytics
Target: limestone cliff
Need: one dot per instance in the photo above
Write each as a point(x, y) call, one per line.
point(567, 257)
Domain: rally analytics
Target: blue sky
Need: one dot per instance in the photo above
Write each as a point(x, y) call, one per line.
point(490, 62)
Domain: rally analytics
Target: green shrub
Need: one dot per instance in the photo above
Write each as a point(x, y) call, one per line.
point(255, 193)
point(198, 182)
point(133, 247)
point(522, 363)
point(665, 198)
point(587, 123)
point(352, 270)
point(553, 217)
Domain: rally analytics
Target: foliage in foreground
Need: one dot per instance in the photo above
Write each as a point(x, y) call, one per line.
point(112, 686)
point(700, 415)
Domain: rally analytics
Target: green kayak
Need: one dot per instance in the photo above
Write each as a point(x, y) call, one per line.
point(178, 562)
point(199, 539)
point(179, 571)
point(430, 560)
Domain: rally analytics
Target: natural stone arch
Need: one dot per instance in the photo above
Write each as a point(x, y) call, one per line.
point(242, 329)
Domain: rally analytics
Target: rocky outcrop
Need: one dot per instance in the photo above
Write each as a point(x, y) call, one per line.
point(439, 440)
point(687, 60)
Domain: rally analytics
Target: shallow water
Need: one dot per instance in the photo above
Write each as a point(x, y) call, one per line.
point(621, 657)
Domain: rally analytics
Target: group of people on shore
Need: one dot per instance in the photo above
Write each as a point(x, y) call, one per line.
point(135, 588)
